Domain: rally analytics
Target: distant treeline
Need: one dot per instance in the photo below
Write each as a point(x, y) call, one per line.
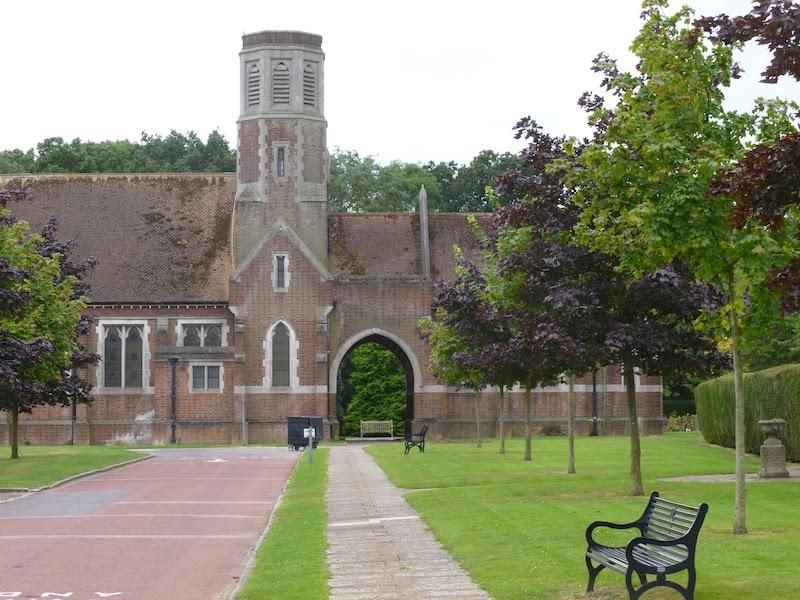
point(357, 184)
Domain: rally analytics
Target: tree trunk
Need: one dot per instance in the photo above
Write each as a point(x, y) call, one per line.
point(527, 422)
point(739, 516)
point(571, 425)
point(477, 401)
point(13, 429)
point(636, 453)
point(502, 421)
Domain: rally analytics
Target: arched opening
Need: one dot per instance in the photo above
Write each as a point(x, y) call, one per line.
point(374, 382)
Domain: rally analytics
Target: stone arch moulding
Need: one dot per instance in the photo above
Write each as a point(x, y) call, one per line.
point(353, 340)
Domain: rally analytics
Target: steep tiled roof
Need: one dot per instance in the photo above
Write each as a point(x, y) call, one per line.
point(387, 245)
point(157, 238)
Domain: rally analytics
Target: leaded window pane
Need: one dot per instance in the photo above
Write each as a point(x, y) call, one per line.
point(112, 359)
point(198, 378)
point(280, 271)
point(191, 335)
point(213, 377)
point(133, 358)
point(213, 336)
point(280, 356)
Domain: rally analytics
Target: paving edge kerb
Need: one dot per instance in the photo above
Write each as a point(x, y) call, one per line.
point(249, 562)
point(72, 478)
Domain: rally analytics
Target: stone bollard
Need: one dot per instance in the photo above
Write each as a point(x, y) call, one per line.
point(773, 452)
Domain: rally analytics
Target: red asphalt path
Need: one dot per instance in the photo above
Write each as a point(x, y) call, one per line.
point(176, 527)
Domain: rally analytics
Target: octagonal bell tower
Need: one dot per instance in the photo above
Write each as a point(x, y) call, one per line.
point(282, 153)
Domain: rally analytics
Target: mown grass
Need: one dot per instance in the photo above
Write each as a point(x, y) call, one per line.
point(291, 563)
point(43, 465)
point(519, 527)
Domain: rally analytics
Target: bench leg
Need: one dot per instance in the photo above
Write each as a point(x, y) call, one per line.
point(408, 447)
point(661, 581)
point(593, 572)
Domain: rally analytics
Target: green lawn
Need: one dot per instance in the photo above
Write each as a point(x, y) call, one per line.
point(519, 527)
point(42, 465)
point(291, 563)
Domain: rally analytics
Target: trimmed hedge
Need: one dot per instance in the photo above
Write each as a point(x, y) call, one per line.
point(769, 394)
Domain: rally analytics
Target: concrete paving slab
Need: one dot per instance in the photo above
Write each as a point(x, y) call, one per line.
point(379, 548)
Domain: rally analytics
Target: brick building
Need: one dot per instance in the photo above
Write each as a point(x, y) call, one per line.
point(227, 302)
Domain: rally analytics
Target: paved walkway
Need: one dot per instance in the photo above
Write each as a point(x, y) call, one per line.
point(378, 546)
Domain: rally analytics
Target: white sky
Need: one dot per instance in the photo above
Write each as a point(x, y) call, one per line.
point(413, 80)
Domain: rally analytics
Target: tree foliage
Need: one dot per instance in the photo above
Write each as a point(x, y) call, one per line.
point(765, 182)
point(378, 384)
point(360, 184)
point(41, 303)
point(175, 152)
point(644, 178)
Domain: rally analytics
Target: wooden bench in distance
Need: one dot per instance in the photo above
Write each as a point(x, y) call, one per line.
point(668, 537)
point(382, 428)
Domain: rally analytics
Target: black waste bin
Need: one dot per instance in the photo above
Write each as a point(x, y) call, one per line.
point(295, 427)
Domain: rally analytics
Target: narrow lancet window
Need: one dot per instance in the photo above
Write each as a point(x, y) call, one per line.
point(280, 162)
point(280, 356)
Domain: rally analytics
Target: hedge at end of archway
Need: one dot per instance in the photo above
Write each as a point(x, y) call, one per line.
point(769, 394)
point(378, 382)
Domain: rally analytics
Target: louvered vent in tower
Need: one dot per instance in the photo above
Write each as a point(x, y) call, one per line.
point(309, 85)
point(253, 85)
point(280, 84)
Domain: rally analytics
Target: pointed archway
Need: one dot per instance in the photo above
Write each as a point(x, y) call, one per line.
point(401, 351)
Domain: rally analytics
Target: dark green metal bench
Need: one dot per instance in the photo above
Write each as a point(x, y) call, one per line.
point(416, 439)
point(666, 545)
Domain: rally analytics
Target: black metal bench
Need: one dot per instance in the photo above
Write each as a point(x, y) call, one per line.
point(667, 543)
point(416, 439)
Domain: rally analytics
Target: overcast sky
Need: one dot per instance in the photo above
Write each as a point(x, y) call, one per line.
point(413, 80)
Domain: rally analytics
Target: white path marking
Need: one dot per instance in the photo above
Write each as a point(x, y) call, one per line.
point(377, 521)
point(194, 502)
point(136, 515)
point(191, 479)
point(92, 536)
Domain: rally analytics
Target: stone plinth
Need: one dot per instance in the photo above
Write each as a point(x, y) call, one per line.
point(773, 452)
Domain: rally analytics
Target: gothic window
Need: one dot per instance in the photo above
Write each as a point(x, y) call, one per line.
point(280, 356)
point(309, 85)
point(280, 84)
point(253, 84)
point(202, 335)
point(206, 377)
point(123, 356)
point(280, 271)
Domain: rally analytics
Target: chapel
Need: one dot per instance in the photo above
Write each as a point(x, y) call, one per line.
point(226, 302)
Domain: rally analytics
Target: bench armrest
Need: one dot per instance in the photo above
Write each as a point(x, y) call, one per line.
point(639, 541)
point(589, 530)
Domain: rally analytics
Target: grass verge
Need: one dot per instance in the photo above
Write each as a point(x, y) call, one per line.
point(291, 564)
point(44, 465)
point(519, 527)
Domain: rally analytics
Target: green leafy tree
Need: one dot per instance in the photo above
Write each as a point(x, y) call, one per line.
point(644, 179)
point(464, 187)
point(40, 319)
point(175, 152)
point(378, 385)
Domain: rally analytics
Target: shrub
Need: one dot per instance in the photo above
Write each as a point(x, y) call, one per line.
point(676, 422)
point(770, 394)
point(551, 429)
